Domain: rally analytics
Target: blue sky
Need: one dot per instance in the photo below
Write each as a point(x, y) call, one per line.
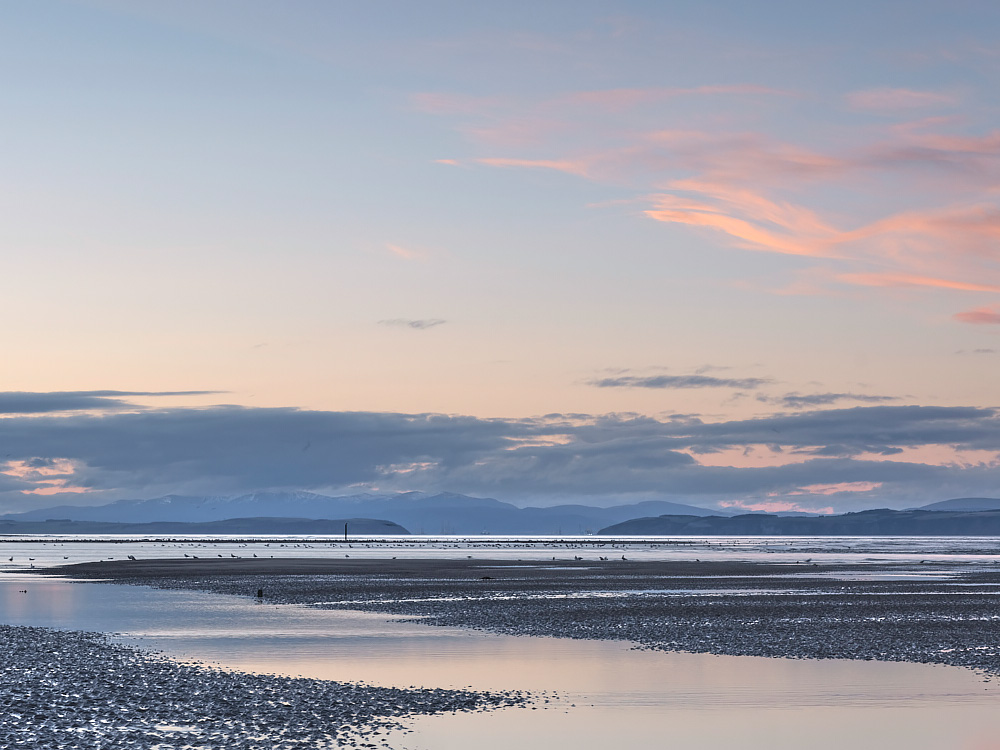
point(595, 232)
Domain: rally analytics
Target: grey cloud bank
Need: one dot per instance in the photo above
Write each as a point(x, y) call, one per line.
point(419, 324)
point(556, 458)
point(678, 381)
point(27, 402)
point(800, 400)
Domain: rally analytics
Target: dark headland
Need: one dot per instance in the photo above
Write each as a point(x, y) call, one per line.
point(880, 522)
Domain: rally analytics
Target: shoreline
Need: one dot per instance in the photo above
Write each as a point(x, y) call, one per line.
point(802, 610)
point(74, 689)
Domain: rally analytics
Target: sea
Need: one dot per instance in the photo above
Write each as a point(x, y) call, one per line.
point(590, 694)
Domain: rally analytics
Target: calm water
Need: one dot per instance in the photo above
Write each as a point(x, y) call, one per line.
point(608, 694)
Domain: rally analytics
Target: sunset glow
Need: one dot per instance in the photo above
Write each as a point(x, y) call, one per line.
point(735, 257)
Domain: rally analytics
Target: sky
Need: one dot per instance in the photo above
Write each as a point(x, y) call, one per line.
point(738, 255)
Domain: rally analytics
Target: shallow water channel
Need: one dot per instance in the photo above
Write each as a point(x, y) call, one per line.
point(608, 695)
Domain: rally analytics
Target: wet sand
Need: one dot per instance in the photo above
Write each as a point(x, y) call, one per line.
point(69, 689)
point(786, 610)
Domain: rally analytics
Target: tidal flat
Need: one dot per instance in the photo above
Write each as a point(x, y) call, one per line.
point(70, 689)
point(602, 651)
point(865, 611)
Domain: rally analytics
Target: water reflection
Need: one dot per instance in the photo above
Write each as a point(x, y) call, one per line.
point(608, 694)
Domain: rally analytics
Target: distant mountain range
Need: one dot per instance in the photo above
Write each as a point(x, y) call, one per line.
point(882, 522)
point(964, 504)
point(250, 526)
point(419, 512)
point(449, 513)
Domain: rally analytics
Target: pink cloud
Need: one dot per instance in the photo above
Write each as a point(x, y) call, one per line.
point(929, 249)
point(988, 144)
point(743, 158)
point(835, 489)
point(57, 489)
point(52, 478)
point(514, 131)
point(405, 253)
point(747, 233)
point(751, 219)
point(625, 98)
point(980, 316)
point(906, 280)
point(896, 99)
point(755, 192)
point(568, 166)
point(455, 104)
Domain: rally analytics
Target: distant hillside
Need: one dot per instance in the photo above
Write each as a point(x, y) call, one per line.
point(964, 504)
point(865, 523)
point(253, 526)
point(421, 513)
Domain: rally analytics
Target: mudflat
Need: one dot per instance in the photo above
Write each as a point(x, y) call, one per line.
point(801, 610)
point(469, 569)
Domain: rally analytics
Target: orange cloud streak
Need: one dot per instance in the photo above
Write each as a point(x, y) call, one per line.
point(895, 99)
point(578, 168)
point(405, 253)
point(980, 316)
point(904, 280)
point(618, 99)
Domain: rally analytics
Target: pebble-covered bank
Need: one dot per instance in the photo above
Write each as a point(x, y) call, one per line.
point(69, 689)
point(800, 611)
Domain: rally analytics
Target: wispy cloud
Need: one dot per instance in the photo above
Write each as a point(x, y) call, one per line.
point(625, 98)
point(444, 103)
point(750, 219)
point(569, 166)
point(27, 402)
point(909, 280)
point(419, 324)
point(406, 253)
point(980, 316)
point(613, 99)
point(678, 381)
point(809, 400)
point(757, 192)
point(890, 99)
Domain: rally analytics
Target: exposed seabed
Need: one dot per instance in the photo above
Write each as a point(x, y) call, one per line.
point(870, 612)
point(70, 689)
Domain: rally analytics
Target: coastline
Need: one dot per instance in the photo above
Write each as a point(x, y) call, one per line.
point(73, 689)
point(863, 611)
point(69, 688)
